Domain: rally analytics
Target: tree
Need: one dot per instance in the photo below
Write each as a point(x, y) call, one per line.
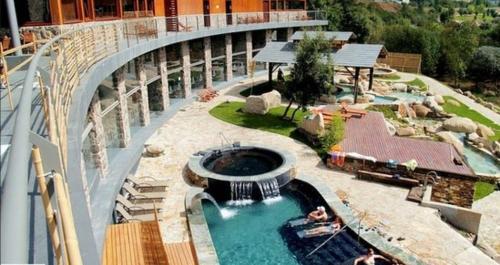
point(411, 39)
point(458, 44)
point(485, 65)
point(310, 74)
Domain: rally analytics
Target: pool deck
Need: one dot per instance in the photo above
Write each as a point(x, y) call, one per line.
point(193, 129)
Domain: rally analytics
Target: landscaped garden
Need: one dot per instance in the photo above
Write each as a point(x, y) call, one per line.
point(454, 106)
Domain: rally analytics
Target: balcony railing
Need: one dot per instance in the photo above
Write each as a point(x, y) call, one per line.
point(71, 55)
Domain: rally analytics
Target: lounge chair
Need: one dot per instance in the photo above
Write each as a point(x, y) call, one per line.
point(122, 216)
point(142, 208)
point(143, 197)
point(148, 184)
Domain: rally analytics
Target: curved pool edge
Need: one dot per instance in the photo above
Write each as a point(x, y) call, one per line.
point(205, 249)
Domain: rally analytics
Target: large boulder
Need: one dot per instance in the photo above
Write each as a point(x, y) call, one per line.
point(346, 99)
point(449, 137)
point(342, 79)
point(496, 148)
point(273, 98)
point(404, 110)
point(256, 105)
point(363, 99)
point(468, 93)
point(331, 99)
point(430, 102)
point(421, 110)
point(484, 131)
point(439, 99)
point(313, 124)
point(405, 131)
point(453, 102)
point(400, 87)
point(154, 150)
point(390, 128)
point(460, 124)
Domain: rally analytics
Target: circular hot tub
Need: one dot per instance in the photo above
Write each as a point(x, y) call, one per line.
point(241, 162)
point(242, 166)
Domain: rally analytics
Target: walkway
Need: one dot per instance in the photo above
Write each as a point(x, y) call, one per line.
point(489, 232)
point(193, 129)
point(440, 88)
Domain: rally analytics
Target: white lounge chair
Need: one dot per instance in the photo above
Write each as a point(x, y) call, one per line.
point(141, 208)
point(148, 184)
point(143, 197)
point(122, 216)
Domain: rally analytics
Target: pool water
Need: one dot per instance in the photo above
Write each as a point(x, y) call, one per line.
point(408, 97)
point(258, 234)
point(243, 162)
point(377, 100)
point(479, 161)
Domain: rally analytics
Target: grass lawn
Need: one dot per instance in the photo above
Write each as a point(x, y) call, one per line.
point(231, 112)
point(483, 189)
point(386, 110)
point(390, 77)
point(464, 111)
point(418, 83)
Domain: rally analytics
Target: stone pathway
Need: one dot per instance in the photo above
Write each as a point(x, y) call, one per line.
point(489, 232)
point(440, 88)
point(193, 129)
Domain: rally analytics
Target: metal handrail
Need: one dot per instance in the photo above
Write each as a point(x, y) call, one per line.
point(14, 199)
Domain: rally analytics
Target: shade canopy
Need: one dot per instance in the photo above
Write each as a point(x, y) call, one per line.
point(350, 55)
point(329, 35)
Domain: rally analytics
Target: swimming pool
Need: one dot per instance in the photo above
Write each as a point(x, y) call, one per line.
point(258, 233)
point(480, 162)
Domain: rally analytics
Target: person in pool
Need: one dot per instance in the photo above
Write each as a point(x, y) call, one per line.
point(325, 229)
point(319, 215)
point(369, 258)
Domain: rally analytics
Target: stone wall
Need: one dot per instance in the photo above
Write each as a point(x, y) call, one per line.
point(451, 188)
point(454, 191)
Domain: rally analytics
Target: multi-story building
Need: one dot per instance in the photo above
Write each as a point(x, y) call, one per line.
point(111, 73)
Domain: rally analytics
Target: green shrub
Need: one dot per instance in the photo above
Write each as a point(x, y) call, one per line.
point(333, 135)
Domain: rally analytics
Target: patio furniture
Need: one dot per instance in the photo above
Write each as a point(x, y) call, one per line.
point(143, 197)
point(148, 184)
point(123, 216)
point(135, 209)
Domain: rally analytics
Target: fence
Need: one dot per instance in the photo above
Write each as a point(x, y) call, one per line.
point(404, 62)
point(71, 55)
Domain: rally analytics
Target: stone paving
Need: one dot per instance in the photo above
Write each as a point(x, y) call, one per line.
point(193, 129)
point(489, 232)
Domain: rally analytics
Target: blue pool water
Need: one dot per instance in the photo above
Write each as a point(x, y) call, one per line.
point(479, 161)
point(258, 234)
point(408, 97)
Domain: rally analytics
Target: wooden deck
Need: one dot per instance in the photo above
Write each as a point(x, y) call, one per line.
point(137, 243)
point(140, 243)
point(180, 253)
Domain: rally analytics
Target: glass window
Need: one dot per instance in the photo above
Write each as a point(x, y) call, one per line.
point(258, 39)
point(69, 10)
point(239, 42)
point(175, 89)
point(154, 96)
point(219, 70)
point(173, 56)
point(196, 51)
point(133, 112)
point(111, 132)
point(218, 46)
point(107, 95)
point(105, 8)
point(239, 65)
point(197, 77)
point(90, 166)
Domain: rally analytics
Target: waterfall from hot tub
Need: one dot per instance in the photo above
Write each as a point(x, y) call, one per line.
point(241, 192)
point(269, 189)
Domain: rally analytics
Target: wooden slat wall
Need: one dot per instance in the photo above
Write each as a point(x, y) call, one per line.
point(189, 7)
point(217, 6)
point(404, 62)
point(247, 6)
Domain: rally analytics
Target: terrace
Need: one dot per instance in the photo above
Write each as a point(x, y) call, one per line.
point(79, 61)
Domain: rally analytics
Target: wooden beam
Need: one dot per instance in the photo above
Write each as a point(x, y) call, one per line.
point(56, 12)
point(356, 79)
point(370, 82)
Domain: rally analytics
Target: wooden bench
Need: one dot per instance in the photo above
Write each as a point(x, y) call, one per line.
point(386, 178)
